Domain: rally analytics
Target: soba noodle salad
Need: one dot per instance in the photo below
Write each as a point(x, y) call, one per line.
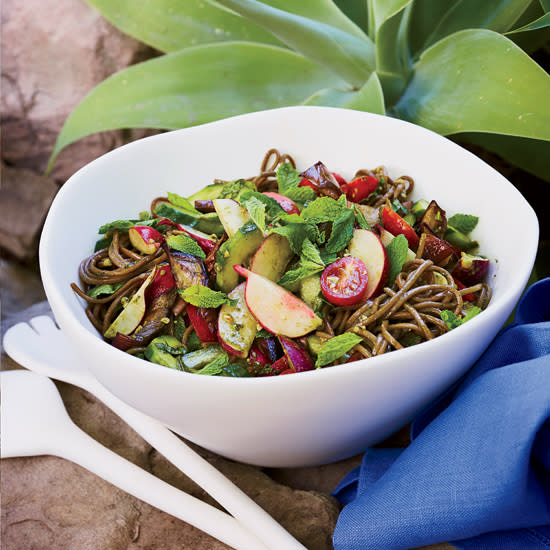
point(286, 271)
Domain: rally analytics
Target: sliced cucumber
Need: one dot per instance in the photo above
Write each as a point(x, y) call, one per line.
point(207, 193)
point(237, 250)
point(201, 357)
point(232, 215)
point(207, 223)
point(271, 259)
point(158, 351)
point(310, 291)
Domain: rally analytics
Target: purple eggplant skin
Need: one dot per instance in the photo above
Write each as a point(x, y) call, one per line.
point(152, 324)
point(188, 270)
point(325, 183)
point(433, 220)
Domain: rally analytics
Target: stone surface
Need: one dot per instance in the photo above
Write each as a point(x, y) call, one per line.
point(25, 198)
point(52, 54)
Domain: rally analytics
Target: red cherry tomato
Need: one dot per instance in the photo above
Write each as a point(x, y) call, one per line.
point(360, 188)
point(341, 181)
point(304, 182)
point(396, 225)
point(465, 297)
point(344, 282)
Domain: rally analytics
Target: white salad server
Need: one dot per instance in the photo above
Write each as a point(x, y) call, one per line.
point(43, 349)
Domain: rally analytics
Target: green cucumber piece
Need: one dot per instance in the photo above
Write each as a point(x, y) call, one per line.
point(158, 351)
point(459, 239)
point(207, 193)
point(207, 223)
point(310, 291)
point(237, 250)
point(201, 357)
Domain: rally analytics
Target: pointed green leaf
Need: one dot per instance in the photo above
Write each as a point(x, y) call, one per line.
point(478, 80)
point(545, 5)
point(392, 55)
point(531, 155)
point(539, 23)
point(195, 86)
point(344, 54)
point(369, 98)
point(425, 16)
point(385, 9)
point(356, 11)
point(170, 25)
point(496, 15)
point(534, 40)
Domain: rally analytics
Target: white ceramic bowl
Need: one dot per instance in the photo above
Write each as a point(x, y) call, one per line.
point(313, 417)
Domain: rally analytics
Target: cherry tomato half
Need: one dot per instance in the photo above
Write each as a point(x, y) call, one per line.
point(396, 225)
point(344, 282)
point(360, 188)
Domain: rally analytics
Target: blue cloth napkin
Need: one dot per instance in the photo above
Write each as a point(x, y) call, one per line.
point(477, 472)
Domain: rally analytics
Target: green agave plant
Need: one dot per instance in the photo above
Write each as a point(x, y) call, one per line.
point(462, 68)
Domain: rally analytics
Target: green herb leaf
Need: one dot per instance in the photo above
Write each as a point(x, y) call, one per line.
point(360, 218)
point(256, 209)
point(124, 225)
point(452, 321)
point(296, 229)
point(145, 215)
point(273, 208)
point(294, 275)
point(397, 256)
point(336, 347)
point(342, 231)
point(179, 327)
point(310, 254)
point(103, 290)
point(102, 243)
point(287, 177)
point(202, 296)
point(301, 194)
point(181, 202)
point(186, 244)
point(216, 366)
point(262, 333)
point(323, 209)
point(465, 223)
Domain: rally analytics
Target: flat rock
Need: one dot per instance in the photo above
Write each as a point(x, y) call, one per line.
point(53, 54)
point(25, 198)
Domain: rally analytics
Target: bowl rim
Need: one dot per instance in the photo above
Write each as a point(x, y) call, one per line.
point(59, 306)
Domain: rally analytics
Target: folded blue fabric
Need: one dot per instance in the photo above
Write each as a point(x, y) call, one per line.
point(477, 472)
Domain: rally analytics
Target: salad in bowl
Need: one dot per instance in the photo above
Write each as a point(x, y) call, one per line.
point(291, 270)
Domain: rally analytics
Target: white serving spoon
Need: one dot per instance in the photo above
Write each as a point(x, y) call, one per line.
point(35, 422)
point(44, 349)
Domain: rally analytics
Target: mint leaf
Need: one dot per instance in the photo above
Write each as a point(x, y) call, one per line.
point(452, 321)
point(295, 275)
point(202, 296)
point(273, 208)
point(465, 223)
point(336, 347)
point(296, 229)
point(287, 177)
point(124, 225)
point(397, 256)
point(216, 366)
point(256, 209)
point(102, 243)
point(342, 231)
point(323, 209)
point(181, 202)
point(103, 290)
point(186, 244)
point(232, 189)
point(301, 194)
point(360, 218)
point(310, 254)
